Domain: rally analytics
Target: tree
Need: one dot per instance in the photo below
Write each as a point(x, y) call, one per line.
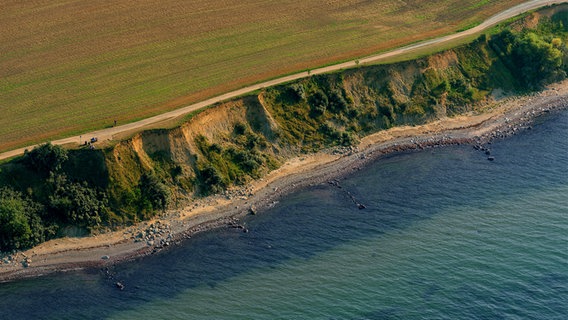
point(538, 60)
point(20, 224)
point(76, 203)
point(45, 158)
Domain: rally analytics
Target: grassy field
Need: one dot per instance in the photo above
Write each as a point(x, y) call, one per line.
point(68, 66)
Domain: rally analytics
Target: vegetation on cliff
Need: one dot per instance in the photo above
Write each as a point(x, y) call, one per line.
point(51, 192)
point(79, 65)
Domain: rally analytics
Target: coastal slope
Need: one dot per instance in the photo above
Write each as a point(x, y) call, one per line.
point(223, 158)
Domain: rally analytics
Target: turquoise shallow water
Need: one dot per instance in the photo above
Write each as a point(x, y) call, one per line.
point(446, 235)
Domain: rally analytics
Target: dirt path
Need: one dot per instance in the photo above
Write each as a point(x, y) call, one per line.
point(109, 133)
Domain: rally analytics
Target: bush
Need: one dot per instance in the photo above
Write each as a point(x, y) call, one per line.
point(77, 204)
point(297, 91)
point(154, 191)
point(318, 103)
point(211, 180)
point(337, 103)
point(255, 141)
point(331, 134)
point(216, 148)
point(45, 158)
point(20, 223)
point(248, 161)
point(240, 128)
point(347, 139)
point(202, 144)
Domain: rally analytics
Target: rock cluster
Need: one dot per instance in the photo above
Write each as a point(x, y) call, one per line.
point(112, 278)
point(253, 210)
point(238, 193)
point(234, 224)
point(13, 258)
point(158, 234)
point(343, 150)
point(510, 127)
point(335, 183)
point(26, 262)
point(8, 257)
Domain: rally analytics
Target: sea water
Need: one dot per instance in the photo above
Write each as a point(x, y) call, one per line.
point(446, 234)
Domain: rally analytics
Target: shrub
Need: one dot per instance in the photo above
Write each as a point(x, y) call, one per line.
point(318, 103)
point(240, 128)
point(20, 222)
point(337, 103)
point(45, 158)
point(216, 148)
point(254, 141)
point(210, 180)
point(247, 161)
point(76, 203)
point(297, 91)
point(332, 135)
point(154, 191)
point(202, 144)
point(347, 139)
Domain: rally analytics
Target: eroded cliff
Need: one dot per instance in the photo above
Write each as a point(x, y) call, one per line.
point(243, 139)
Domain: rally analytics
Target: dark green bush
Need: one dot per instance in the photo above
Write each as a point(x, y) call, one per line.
point(45, 158)
point(20, 222)
point(76, 203)
point(154, 191)
point(297, 91)
point(318, 103)
point(240, 128)
point(337, 103)
point(210, 180)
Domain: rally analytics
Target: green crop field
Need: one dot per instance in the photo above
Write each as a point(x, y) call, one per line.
point(68, 66)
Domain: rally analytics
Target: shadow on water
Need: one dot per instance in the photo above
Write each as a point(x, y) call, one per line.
point(398, 191)
point(533, 298)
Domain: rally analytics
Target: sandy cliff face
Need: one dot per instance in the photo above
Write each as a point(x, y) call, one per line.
point(281, 122)
point(224, 138)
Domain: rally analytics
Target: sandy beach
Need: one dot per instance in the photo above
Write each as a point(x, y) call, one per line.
point(499, 119)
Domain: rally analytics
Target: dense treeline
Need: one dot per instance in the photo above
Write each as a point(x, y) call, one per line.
point(51, 192)
point(535, 57)
point(21, 223)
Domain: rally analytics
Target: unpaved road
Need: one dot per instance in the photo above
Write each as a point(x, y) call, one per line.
point(107, 134)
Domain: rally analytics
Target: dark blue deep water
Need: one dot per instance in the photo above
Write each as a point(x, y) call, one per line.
point(446, 235)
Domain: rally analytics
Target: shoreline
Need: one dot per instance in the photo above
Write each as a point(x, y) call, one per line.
point(505, 118)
